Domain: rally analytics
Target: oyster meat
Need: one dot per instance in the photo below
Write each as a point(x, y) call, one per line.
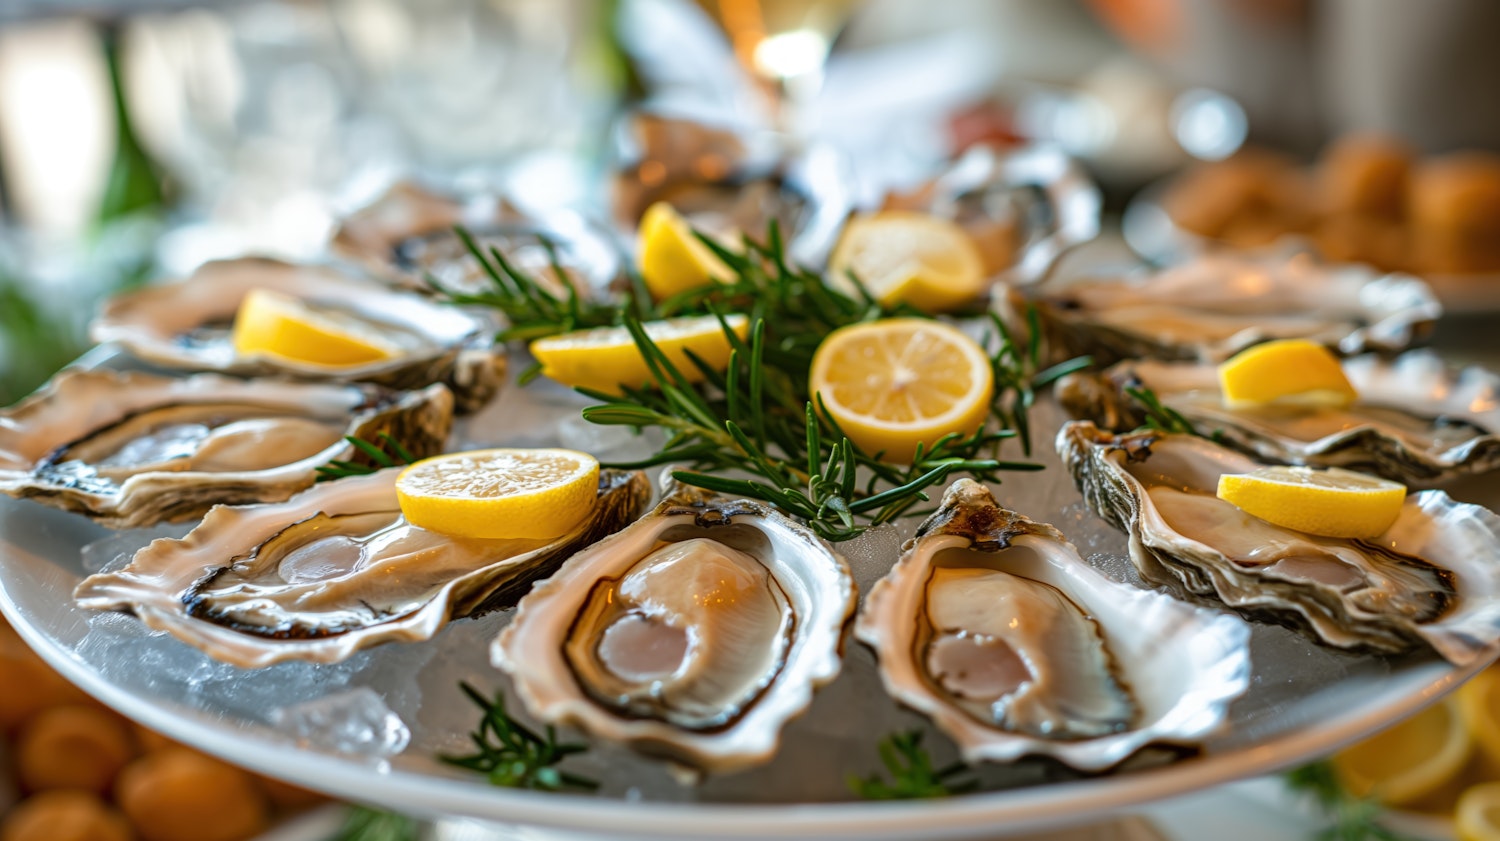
point(993, 626)
point(1213, 306)
point(1414, 422)
point(695, 634)
point(185, 326)
point(334, 570)
point(1430, 581)
point(134, 449)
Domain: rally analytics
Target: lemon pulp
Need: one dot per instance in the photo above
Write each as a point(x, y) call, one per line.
point(501, 493)
point(907, 257)
point(894, 384)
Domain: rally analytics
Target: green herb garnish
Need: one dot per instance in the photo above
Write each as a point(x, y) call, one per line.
point(388, 453)
point(759, 417)
point(912, 774)
point(514, 756)
point(366, 824)
point(1159, 417)
point(1354, 819)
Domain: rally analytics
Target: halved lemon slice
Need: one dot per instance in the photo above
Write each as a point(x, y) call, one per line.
point(1285, 371)
point(1331, 502)
point(498, 494)
point(1478, 815)
point(894, 384)
point(673, 259)
point(1410, 760)
point(606, 358)
point(902, 256)
point(273, 324)
point(1479, 701)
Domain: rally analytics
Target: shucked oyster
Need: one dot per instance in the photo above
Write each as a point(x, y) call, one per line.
point(334, 570)
point(133, 449)
point(1414, 421)
point(992, 625)
point(694, 634)
point(185, 326)
point(1214, 306)
point(1432, 579)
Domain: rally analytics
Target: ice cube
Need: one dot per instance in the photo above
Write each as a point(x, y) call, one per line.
point(355, 722)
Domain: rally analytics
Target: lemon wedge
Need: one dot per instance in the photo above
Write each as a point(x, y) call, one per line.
point(673, 259)
point(497, 494)
point(1285, 371)
point(270, 323)
point(1410, 760)
point(1479, 701)
point(891, 385)
point(606, 358)
point(902, 256)
point(1331, 502)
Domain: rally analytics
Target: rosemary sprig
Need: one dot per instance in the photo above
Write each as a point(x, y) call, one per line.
point(1014, 365)
point(388, 453)
point(366, 824)
point(514, 756)
point(912, 774)
point(1159, 416)
point(1354, 819)
point(759, 419)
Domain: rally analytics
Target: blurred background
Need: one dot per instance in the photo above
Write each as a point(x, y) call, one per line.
point(139, 138)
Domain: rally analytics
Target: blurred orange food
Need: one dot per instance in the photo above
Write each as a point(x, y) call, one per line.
point(1370, 199)
point(177, 794)
point(71, 754)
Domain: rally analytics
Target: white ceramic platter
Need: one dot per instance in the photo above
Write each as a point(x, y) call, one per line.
point(1304, 701)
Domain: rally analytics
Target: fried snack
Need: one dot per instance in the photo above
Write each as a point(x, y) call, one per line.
point(1365, 176)
point(73, 746)
point(29, 684)
point(64, 816)
point(177, 794)
point(1364, 239)
point(1249, 199)
point(1455, 211)
point(151, 741)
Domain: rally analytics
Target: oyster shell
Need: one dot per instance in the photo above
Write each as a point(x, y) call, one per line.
point(134, 449)
point(695, 634)
point(1023, 206)
point(1214, 306)
point(407, 235)
point(1455, 432)
point(334, 570)
point(993, 626)
point(728, 184)
point(1431, 580)
point(184, 326)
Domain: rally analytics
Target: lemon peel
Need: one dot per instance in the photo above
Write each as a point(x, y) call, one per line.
point(1332, 502)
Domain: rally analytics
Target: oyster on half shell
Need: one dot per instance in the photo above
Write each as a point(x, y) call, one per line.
point(1431, 580)
point(695, 634)
point(334, 570)
point(1414, 422)
point(1213, 306)
point(185, 326)
point(134, 449)
point(992, 625)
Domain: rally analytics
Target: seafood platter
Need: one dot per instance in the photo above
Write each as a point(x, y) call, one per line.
point(1043, 612)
